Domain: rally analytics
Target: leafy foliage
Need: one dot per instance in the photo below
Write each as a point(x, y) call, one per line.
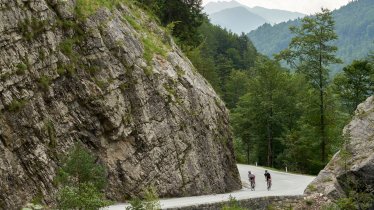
point(86, 196)
point(355, 83)
point(264, 111)
point(44, 82)
point(310, 53)
point(16, 105)
point(357, 200)
point(150, 202)
point(185, 16)
point(224, 59)
point(290, 119)
point(232, 205)
point(85, 8)
point(82, 181)
point(21, 68)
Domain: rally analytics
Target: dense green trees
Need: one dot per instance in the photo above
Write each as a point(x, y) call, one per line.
point(264, 112)
point(235, 87)
point(311, 53)
point(293, 119)
point(224, 59)
point(185, 15)
point(355, 83)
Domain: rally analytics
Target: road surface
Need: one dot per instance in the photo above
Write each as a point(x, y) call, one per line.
point(282, 184)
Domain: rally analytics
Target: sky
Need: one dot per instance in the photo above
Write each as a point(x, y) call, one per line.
point(303, 6)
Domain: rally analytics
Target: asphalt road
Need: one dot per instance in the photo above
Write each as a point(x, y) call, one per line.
point(282, 184)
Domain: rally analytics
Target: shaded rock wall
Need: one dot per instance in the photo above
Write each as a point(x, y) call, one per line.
point(151, 119)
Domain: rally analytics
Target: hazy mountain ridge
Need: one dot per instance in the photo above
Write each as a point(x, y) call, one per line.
point(213, 7)
point(354, 26)
point(231, 19)
point(245, 19)
point(276, 15)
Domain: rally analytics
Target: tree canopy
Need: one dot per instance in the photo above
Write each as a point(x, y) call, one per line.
point(184, 15)
point(355, 83)
point(311, 53)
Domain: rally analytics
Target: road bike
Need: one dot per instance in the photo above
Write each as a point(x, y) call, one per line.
point(253, 185)
point(268, 184)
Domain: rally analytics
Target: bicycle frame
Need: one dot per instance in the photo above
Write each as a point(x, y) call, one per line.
point(268, 184)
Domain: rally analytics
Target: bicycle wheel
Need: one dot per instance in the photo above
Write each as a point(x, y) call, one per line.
point(252, 186)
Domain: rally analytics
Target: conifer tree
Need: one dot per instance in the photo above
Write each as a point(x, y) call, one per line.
point(311, 53)
point(81, 181)
point(355, 83)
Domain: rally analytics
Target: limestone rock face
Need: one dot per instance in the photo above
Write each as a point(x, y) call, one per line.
point(352, 168)
point(117, 83)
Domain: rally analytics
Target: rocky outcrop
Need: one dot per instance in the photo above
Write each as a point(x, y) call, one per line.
point(116, 82)
point(352, 168)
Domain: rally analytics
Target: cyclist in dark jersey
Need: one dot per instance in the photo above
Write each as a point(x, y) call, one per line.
point(268, 179)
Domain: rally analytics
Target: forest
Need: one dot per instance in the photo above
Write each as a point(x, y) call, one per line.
point(281, 117)
point(354, 25)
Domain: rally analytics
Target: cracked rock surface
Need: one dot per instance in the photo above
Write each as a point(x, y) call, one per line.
point(150, 120)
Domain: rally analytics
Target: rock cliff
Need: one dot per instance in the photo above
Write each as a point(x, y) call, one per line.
point(352, 168)
point(114, 80)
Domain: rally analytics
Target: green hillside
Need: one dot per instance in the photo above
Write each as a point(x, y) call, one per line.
point(354, 26)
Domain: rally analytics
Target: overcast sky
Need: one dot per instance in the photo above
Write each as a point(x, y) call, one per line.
point(303, 6)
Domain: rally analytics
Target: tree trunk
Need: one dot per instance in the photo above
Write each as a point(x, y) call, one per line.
point(357, 94)
point(322, 110)
point(248, 153)
point(322, 127)
point(270, 140)
point(270, 146)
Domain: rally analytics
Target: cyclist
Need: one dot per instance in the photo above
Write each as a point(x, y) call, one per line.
point(252, 180)
point(268, 179)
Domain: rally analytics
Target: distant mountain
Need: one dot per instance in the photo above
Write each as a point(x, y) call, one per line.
point(237, 20)
point(354, 26)
point(275, 15)
point(224, 13)
point(213, 7)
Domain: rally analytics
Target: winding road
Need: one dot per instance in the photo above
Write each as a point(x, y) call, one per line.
point(283, 184)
